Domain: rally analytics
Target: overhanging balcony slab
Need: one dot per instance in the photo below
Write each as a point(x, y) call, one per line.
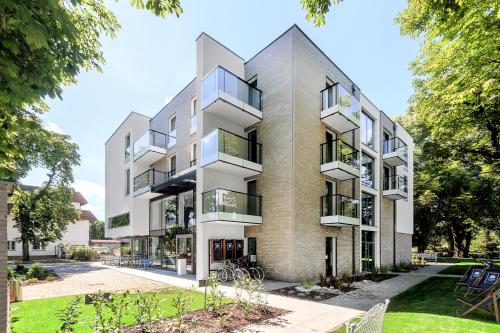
point(150, 155)
point(339, 221)
point(234, 165)
point(339, 119)
point(395, 158)
point(231, 219)
point(339, 170)
point(145, 193)
point(395, 194)
point(231, 109)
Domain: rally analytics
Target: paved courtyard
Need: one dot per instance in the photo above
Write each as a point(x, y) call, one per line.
point(84, 278)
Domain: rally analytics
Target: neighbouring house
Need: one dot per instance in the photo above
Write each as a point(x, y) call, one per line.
point(77, 233)
point(280, 157)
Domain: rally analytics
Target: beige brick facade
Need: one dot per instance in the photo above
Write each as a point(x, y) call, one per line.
point(387, 233)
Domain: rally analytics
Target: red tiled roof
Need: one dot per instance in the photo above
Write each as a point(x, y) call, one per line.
point(77, 196)
point(88, 215)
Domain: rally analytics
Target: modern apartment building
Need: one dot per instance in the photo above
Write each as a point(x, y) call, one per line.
point(279, 157)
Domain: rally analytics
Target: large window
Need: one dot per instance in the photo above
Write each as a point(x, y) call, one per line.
point(368, 250)
point(119, 221)
point(368, 209)
point(367, 171)
point(367, 130)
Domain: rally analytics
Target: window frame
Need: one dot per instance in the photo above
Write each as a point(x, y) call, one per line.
point(364, 195)
point(366, 116)
point(128, 147)
point(363, 154)
point(127, 182)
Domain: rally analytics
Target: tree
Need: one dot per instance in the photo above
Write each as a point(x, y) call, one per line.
point(43, 47)
point(96, 230)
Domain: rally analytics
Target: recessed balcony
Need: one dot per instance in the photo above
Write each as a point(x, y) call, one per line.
point(340, 109)
point(339, 160)
point(146, 180)
point(395, 187)
point(230, 98)
point(339, 211)
point(222, 206)
point(395, 152)
point(150, 147)
point(230, 153)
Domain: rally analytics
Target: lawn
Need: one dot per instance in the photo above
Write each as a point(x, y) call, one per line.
point(41, 315)
point(460, 265)
point(430, 307)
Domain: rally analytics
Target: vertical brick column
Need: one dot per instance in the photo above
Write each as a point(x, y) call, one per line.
point(4, 306)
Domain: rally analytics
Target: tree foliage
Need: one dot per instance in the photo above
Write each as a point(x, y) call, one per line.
point(96, 230)
point(316, 10)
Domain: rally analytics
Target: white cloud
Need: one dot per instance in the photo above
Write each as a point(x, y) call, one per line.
point(167, 99)
point(94, 193)
point(52, 127)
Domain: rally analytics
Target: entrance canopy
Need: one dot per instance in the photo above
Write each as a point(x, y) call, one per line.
point(177, 184)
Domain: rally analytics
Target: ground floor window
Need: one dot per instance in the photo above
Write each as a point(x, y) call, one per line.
point(368, 250)
point(11, 245)
point(39, 247)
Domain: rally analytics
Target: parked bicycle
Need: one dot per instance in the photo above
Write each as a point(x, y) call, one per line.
point(239, 268)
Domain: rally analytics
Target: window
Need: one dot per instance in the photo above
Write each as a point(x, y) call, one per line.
point(368, 250)
point(127, 181)
point(367, 171)
point(194, 103)
point(127, 147)
point(119, 221)
point(173, 164)
point(193, 155)
point(172, 132)
point(172, 124)
point(367, 130)
point(367, 209)
point(39, 247)
point(11, 245)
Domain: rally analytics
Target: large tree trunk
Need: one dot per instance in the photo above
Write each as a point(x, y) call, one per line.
point(26, 250)
point(468, 240)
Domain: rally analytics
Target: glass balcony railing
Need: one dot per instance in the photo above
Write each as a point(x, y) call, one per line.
point(219, 79)
point(194, 124)
point(339, 95)
point(150, 138)
point(396, 182)
point(337, 204)
point(226, 201)
point(149, 178)
point(220, 141)
point(396, 145)
point(338, 150)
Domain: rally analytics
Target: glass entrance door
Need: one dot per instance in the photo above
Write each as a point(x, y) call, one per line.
point(185, 250)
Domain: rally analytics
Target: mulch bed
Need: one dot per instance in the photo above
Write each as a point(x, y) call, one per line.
point(228, 318)
point(53, 277)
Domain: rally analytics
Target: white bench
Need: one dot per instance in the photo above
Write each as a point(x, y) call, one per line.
point(372, 322)
point(428, 256)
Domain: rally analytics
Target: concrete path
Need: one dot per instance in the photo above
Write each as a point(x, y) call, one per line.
point(365, 298)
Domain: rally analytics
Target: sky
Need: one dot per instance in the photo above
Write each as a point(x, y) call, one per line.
point(152, 59)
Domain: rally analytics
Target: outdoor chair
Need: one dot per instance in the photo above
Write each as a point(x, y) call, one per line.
point(489, 278)
point(470, 277)
point(145, 263)
point(372, 322)
point(486, 302)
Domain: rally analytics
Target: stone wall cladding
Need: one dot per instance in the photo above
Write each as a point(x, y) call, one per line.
point(387, 233)
point(403, 248)
point(4, 307)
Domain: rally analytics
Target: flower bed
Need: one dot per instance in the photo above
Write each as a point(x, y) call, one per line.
point(35, 274)
point(228, 318)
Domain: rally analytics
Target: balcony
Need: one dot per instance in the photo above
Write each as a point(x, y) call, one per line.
point(395, 152)
point(146, 180)
point(340, 109)
point(395, 187)
point(230, 153)
point(339, 211)
point(229, 97)
point(230, 207)
point(150, 147)
point(339, 160)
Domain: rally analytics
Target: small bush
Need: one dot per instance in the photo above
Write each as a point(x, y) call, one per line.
point(308, 284)
point(32, 280)
point(11, 273)
point(215, 298)
point(36, 271)
point(181, 303)
point(81, 253)
point(50, 278)
point(69, 316)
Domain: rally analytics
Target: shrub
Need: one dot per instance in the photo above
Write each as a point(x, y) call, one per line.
point(82, 253)
point(181, 303)
point(148, 310)
point(69, 316)
point(215, 297)
point(11, 273)
point(308, 284)
point(37, 272)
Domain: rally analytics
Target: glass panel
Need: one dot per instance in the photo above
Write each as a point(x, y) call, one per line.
point(169, 250)
point(169, 209)
point(186, 209)
point(367, 130)
point(347, 101)
point(155, 251)
point(231, 144)
point(396, 182)
point(337, 204)
point(231, 202)
point(368, 250)
point(194, 124)
point(209, 89)
point(155, 216)
point(367, 209)
point(150, 138)
point(337, 150)
point(367, 171)
point(209, 148)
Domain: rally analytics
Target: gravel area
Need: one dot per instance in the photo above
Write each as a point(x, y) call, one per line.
point(84, 278)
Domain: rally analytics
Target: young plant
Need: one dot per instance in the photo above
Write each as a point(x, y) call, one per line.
point(181, 303)
point(69, 315)
point(215, 298)
point(118, 305)
point(101, 321)
point(148, 310)
point(307, 284)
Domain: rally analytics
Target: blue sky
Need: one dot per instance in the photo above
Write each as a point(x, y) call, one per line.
point(152, 59)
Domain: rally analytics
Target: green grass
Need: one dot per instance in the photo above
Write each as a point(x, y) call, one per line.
point(430, 307)
point(37, 316)
point(460, 265)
